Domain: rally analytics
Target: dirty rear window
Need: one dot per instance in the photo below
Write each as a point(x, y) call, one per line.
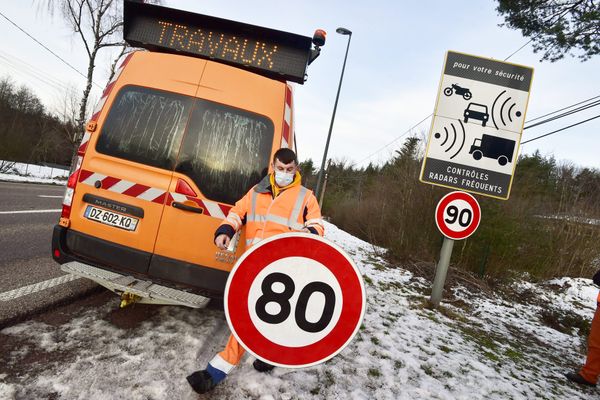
point(146, 126)
point(226, 150)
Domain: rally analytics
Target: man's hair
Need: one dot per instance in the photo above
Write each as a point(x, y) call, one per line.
point(286, 156)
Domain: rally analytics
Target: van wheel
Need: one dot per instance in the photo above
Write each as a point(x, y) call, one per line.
point(502, 160)
point(477, 154)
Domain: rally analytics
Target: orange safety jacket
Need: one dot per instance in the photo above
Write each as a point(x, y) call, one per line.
point(268, 210)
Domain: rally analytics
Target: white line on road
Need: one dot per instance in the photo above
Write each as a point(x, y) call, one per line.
point(36, 287)
point(49, 196)
point(30, 211)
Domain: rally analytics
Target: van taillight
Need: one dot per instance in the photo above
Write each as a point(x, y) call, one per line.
point(70, 191)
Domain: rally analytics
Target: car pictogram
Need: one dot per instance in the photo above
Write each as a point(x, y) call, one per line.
point(477, 111)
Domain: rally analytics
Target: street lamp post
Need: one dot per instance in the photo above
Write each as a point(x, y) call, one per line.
point(341, 31)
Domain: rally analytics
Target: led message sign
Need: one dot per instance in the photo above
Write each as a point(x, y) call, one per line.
point(277, 54)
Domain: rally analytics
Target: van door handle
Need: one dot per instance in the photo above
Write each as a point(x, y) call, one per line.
point(185, 207)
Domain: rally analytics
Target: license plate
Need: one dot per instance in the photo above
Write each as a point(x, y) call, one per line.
point(111, 218)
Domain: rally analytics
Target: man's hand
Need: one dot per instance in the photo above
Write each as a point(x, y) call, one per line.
point(222, 241)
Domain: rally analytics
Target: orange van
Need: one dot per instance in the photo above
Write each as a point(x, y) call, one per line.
point(180, 133)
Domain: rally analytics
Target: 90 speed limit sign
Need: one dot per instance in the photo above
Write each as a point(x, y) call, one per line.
point(457, 215)
point(294, 300)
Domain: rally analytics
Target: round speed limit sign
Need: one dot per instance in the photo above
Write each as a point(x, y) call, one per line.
point(294, 300)
point(457, 215)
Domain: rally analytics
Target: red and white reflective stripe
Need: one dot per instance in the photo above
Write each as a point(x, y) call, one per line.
point(122, 186)
point(287, 118)
point(212, 208)
point(84, 142)
point(154, 195)
point(108, 89)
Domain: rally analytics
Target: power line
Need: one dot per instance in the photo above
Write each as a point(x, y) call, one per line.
point(574, 111)
point(561, 129)
point(512, 54)
point(44, 46)
point(28, 75)
point(519, 49)
point(393, 141)
point(565, 114)
point(23, 68)
point(418, 123)
point(564, 108)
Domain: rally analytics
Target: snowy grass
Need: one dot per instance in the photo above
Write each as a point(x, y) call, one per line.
point(472, 347)
point(32, 173)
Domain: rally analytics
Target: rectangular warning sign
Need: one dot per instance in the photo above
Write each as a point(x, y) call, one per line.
point(477, 124)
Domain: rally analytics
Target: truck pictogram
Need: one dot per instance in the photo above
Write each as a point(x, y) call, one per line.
point(493, 147)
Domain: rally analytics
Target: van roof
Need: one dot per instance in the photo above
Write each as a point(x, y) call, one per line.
point(202, 78)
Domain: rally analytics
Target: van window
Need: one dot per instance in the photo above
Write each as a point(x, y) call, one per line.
point(226, 150)
point(145, 125)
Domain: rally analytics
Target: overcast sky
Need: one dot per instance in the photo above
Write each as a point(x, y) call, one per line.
point(391, 79)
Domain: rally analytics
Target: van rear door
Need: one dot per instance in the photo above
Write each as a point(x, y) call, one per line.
point(233, 130)
point(128, 167)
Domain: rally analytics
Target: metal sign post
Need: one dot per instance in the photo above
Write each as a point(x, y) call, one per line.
point(457, 216)
point(441, 271)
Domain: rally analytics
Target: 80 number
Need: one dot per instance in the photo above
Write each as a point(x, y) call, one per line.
point(283, 299)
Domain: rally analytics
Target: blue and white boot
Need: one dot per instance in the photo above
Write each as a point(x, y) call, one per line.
point(205, 380)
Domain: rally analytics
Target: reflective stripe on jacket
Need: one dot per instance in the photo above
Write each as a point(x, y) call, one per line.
point(293, 209)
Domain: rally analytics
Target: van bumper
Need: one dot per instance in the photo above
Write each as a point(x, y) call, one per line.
point(69, 246)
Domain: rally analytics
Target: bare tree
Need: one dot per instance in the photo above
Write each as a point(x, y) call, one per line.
point(113, 68)
point(67, 113)
point(98, 23)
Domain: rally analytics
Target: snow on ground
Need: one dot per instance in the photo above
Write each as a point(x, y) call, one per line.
point(473, 347)
point(20, 172)
point(572, 218)
point(30, 179)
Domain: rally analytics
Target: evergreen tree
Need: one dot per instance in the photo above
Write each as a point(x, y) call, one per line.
point(556, 27)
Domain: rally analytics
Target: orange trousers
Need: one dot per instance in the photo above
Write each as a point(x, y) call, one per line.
point(222, 364)
point(591, 369)
point(233, 351)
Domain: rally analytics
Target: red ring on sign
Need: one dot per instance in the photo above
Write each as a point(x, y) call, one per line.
point(441, 207)
point(270, 252)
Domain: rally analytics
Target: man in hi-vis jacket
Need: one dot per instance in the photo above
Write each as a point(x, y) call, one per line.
point(588, 374)
point(277, 204)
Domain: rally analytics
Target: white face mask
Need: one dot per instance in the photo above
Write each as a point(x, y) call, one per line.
point(283, 178)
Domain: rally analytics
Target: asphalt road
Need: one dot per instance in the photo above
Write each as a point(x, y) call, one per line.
point(28, 213)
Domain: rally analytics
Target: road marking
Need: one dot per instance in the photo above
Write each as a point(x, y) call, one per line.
point(49, 196)
point(30, 211)
point(36, 287)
